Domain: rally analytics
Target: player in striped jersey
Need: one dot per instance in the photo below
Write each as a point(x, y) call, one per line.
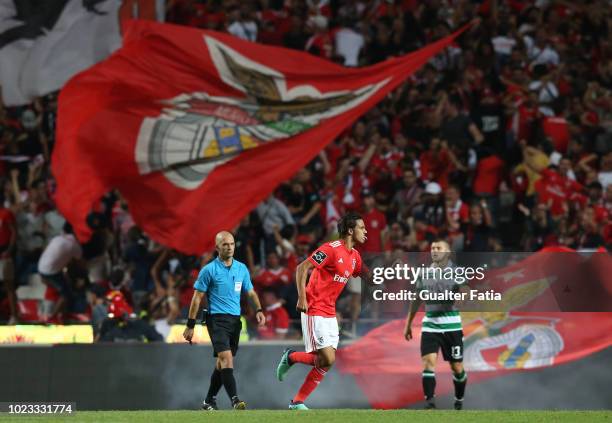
point(441, 327)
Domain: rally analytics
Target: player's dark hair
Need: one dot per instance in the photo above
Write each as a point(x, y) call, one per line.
point(346, 222)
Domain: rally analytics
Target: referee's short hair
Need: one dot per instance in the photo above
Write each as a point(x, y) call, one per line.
point(346, 222)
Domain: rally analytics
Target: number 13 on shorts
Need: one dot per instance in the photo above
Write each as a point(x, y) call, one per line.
point(456, 352)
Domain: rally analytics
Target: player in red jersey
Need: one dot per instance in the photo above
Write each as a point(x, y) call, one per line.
point(333, 262)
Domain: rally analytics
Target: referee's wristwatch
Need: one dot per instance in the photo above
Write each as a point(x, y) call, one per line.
point(259, 310)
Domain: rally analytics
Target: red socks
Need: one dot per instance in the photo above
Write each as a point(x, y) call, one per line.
point(303, 357)
point(313, 378)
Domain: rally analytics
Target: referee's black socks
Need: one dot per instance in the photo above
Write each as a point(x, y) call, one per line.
point(227, 376)
point(429, 384)
point(215, 384)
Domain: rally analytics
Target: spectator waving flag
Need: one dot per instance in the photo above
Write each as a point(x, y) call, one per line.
point(195, 128)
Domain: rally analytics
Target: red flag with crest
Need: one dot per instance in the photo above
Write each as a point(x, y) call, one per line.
point(506, 339)
point(195, 128)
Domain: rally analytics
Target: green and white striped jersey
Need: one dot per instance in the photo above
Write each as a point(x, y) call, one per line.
point(440, 315)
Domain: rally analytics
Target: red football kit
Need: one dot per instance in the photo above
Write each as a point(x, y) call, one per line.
point(334, 264)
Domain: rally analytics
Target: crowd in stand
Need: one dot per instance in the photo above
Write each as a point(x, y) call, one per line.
point(501, 143)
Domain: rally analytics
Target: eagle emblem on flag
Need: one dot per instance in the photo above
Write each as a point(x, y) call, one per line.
point(195, 132)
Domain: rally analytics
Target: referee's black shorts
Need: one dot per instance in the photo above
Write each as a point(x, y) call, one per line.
point(224, 331)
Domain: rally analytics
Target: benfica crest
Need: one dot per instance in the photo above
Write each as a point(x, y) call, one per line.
point(196, 132)
point(512, 342)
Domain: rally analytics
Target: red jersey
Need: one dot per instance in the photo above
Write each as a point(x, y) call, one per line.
point(272, 277)
point(557, 129)
point(6, 221)
point(489, 173)
point(436, 167)
point(376, 222)
point(559, 190)
point(334, 264)
point(277, 322)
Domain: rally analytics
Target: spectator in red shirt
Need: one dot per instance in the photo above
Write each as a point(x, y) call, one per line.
point(387, 158)
point(557, 191)
point(277, 318)
point(424, 234)
point(117, 282)
point(321, 43)
point(274, 275)
point(375, 221)
point(357, 144)
point(595, 193)
point(437, 162)
point(8, 237)
point(489, 172)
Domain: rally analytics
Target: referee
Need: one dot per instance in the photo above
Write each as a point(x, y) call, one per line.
point(223, 279)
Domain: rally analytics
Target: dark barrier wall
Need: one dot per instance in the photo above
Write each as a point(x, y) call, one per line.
point(99, 377)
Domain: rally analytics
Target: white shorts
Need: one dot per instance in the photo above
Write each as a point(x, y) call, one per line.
point(319, 332)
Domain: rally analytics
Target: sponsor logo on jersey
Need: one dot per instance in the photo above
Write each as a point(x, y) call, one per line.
point(341, 279)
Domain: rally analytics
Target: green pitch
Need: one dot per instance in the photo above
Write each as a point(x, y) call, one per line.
point(327, 416)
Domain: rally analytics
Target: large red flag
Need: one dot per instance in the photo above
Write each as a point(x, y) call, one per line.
point(195, 128)
point(388, 368)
